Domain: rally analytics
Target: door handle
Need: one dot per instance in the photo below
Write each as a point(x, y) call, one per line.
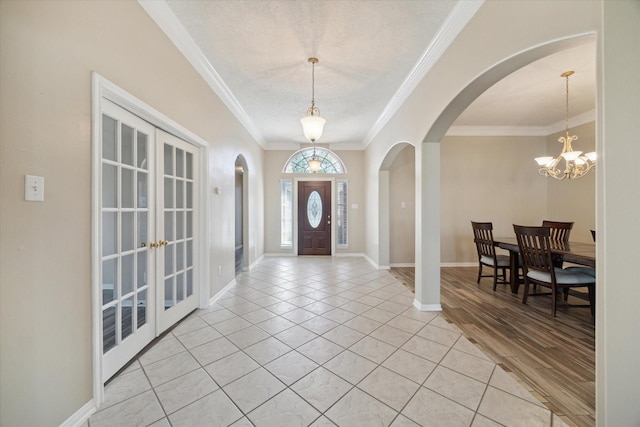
point(153, 245)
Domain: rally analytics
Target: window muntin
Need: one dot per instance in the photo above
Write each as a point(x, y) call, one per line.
point(330, 162)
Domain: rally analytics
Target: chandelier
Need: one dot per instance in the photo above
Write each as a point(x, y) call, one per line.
point(312, 122)
point(576, 164)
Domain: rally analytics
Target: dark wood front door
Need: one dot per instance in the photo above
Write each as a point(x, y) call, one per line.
point(314, 218)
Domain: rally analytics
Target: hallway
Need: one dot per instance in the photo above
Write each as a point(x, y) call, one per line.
point(317, 341)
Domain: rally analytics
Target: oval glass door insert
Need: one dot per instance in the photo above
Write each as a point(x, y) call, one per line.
point(314, 209)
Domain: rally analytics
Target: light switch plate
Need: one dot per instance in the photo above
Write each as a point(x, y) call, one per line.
point(34, 188)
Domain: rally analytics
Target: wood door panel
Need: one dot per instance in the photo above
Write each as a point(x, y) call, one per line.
point(314, 218)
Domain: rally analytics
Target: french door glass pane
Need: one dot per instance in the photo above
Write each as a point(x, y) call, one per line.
point(168, 159)
point(189, 224)
point(109, 233)
point(142, 151)
point(168, 293)
point(179, 193)
point(179, 162)
point(189, 283)
point(127, 317)
point(109, 280)
point(142, 307)
point(179, 256)
point(109, 139)
point(109, 186)
point(127, 194)
point(168, 193)
point(127, 145)
point(142, 189)
point(108, 328)
point(189, 195)
point(127, 234)
point(179, 225)
point(142, 230)
point(142, 269)
point(168, 226)
point(189, 253)
point(168, 260)
point(127, 274)
point(180, 287)
point(189, 166)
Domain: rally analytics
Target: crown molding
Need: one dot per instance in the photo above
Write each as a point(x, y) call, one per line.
point(167, 21)
point(580, 119)
point(455, 22)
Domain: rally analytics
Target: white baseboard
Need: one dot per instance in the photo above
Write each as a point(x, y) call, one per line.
point(256, 262)
point(276, 254)
point(459, 264)
point(221, 292)
point(403, 264)
point(426, 307)
point(81, 416)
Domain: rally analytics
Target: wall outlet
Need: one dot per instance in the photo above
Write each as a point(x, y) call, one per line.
point(34, 188)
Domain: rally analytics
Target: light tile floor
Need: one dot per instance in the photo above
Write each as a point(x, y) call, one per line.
point(322, 342)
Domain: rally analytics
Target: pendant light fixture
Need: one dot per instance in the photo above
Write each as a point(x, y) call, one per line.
point(576, 164)
point(312, 123)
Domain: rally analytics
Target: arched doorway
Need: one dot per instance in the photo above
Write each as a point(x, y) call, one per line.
point(241, 209)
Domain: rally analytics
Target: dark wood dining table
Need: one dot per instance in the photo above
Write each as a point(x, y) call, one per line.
point(573, 252)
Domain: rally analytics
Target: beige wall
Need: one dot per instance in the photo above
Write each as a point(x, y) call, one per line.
point(48, 51)
point(574, 200)
point(275, 161)
point(402, 220)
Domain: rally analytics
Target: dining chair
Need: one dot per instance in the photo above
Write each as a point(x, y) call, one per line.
point(483, 238)
point(559, 232)
point(593, 235)
point(538, 269)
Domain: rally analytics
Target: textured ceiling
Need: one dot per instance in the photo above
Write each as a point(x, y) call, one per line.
point(367, 51)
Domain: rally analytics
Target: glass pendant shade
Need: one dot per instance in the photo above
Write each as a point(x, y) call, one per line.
point(312, 126)
point(314, 165)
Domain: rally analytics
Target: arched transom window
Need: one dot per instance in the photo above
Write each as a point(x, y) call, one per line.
point(299, 161)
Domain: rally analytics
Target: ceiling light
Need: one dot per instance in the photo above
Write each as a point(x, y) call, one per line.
point(577, 165)
point(312, 123)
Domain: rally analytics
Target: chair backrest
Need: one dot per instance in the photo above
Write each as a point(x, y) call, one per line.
point(483, 237)
point(535, 248)
point(559, 231)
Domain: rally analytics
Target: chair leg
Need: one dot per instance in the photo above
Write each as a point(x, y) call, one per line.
point(526, 291)
point(554, 302)
point(495, 278)
point(479, 272)
point(566, 294)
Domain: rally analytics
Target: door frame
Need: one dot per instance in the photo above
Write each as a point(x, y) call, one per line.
point(295, 211)
point(102, 88)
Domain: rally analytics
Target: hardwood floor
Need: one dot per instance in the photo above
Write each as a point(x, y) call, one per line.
point(553, 357)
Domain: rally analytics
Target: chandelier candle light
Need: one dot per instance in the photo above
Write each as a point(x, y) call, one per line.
point(576, 164)
point(313, 123)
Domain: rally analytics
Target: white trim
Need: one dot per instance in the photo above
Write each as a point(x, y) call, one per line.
point(402, 264)
point(426, 307)
point(167, 21)
point(277, 254)
point(579, 120)
point(453, 25)
point(458, 264)
point(81, 416)
point(221, 292)
point(256, 262)
point(373, 263)
point(102, 88)
point(350, 254)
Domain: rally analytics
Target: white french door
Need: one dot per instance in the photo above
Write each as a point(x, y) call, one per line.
point(177, 222)
point(148, 205)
